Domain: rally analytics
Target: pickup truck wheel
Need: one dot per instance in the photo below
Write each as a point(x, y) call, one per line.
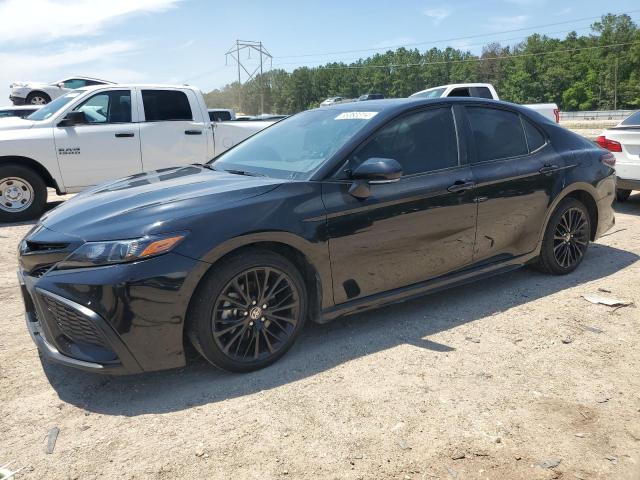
point(37, 98)
point(23, 193)
point(622, 195)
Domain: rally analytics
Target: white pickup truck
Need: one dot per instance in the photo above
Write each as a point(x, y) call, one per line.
point(95, 134)
point(484, 90)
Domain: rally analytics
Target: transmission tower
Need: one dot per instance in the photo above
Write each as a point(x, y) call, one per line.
point(263, 55)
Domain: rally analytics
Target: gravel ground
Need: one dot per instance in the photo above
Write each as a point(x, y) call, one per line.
point(514, 378)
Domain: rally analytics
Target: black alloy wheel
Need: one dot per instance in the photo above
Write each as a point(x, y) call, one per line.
point(255, 314)
point(571, 237)
point(566, 238)
point(248, 311)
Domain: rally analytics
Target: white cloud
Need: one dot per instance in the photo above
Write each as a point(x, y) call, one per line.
point(45, 20)
point(437, 15)
point(508, 23)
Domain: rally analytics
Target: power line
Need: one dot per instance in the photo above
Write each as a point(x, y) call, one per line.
point(521, 38)
point(393, 47)
point(478, 59)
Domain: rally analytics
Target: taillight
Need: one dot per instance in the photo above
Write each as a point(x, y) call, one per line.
point(608, 159)
point(556, 113)
point(610, 145)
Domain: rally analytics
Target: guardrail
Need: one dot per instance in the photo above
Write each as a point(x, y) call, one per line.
point(596, 115)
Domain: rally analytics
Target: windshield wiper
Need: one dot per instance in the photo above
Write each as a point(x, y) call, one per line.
point(244, 172)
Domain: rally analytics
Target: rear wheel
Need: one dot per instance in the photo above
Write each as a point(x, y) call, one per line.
point(566, 238)
point(622, 194)
point(23, 193)
point(248, 311)
point(38, 98)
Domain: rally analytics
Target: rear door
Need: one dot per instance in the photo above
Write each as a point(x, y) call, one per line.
point(410, 230)
point(516, 171)
point(107, 147)
point(172, 131)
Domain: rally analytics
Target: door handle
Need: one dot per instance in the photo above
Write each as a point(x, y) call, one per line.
point(461, 186)
point(193, 132)
point(548, 168)
point(124, 134)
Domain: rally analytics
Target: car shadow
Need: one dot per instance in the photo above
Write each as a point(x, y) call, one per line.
point(631, 206)
point(323, 347)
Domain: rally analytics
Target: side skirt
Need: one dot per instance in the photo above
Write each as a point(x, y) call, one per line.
point(460, 277)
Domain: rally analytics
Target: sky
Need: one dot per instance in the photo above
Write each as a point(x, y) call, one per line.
point(184, 41)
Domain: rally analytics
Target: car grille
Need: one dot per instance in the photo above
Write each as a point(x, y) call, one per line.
point(73, 324)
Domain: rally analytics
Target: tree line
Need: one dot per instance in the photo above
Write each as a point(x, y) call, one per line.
point(597, 71)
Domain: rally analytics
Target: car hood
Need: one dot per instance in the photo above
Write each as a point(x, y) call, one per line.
point(150, 203)
point(15, 123)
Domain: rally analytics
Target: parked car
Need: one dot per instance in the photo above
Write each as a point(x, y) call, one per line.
point(37, 93)
point(18, 111)
point(221, 114)
point(95, 134)
point(624, 141)
point(483, 90)
point(265, 117)
point(370, 96)
point(331, 101)
point(328, 212)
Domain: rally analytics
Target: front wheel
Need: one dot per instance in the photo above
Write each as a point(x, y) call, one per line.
point(248, 311)
point(566, 238)
point(37, 98)
point(23, 194)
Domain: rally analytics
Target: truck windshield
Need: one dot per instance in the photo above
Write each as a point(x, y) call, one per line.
point(431, 93)
point(51, 108)
point(295, 147)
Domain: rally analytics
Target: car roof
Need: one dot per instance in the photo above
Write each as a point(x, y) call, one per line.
point(394, 105)
point(139, 85)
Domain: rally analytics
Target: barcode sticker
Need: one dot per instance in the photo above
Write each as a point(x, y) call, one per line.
point(356, 115)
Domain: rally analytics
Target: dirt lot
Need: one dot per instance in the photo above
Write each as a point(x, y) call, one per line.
point(497, 380)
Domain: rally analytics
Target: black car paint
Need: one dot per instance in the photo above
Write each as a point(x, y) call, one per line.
point(405, 239)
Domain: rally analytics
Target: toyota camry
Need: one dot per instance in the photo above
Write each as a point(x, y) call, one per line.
point(329, 212)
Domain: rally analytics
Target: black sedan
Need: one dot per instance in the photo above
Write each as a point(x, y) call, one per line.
point(329, 212)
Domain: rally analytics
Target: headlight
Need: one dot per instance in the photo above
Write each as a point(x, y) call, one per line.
point(93, 254)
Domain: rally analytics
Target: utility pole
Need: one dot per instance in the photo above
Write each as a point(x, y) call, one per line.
point(615, 86)
point(264, 55)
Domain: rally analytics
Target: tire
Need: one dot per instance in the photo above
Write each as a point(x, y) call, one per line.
point(563, 249)
point(227, 328)
point(622, 195)
point(37, 98)
point(23, 193)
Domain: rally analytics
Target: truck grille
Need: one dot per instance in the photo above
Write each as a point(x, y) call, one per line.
point(73, 324)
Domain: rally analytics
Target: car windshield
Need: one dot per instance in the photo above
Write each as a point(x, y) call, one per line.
point(295, 147)
point(633, 119)
point(432, 93)
point(51, 108)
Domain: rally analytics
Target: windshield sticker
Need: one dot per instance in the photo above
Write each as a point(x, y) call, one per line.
point(356, 115)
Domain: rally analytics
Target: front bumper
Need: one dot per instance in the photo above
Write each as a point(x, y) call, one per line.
point(119, 319)
point(17, 100)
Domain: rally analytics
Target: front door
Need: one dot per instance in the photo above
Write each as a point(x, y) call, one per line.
point(408, 231)
point(105, 148)
point(516, 171)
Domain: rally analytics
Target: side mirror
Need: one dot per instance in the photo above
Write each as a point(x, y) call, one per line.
point(73, 118)
point(61, 85)
point(374, 171)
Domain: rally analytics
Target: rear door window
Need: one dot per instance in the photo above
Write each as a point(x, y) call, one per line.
point(535, 138)
point(632, 119)
point(460, 92)
point(166, 105)
point(219, 116)
point(482, 92)
point(497, 133)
